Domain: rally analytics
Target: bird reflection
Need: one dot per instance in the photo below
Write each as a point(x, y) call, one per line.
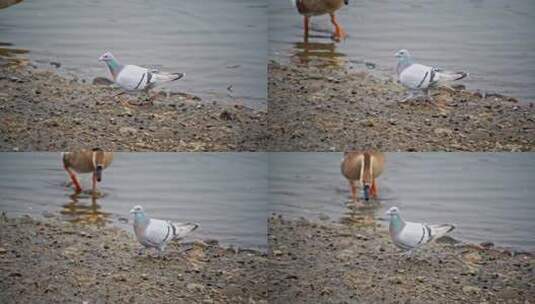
point(78, 211)
point(318, 53)
point(361, 217)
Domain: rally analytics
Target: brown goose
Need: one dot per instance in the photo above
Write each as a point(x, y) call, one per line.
point(86, 161)
point(363, 167)
point(309, 8)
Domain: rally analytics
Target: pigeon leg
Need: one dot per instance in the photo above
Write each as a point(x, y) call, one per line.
point(74, 180)
point(408, 97)
point(160, 251)
point(306, 22)
point(339, 32)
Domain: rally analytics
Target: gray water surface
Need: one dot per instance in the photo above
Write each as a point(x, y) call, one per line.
point(216, 43)
point(226, 193)
point(488, 196)
point(493, 40)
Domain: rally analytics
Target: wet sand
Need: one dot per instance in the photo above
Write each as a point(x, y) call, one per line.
point(336, 263)
point(333, 108)
point(42, 111)
point(58, 262)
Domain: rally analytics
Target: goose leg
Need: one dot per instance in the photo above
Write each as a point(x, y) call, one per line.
point(306, 22)
point(373, 190)
point(339, 32)
point(74, 180)
point(94, 188)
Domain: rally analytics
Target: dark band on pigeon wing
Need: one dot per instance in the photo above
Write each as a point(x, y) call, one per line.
point(168, 232)
point(421, 82)
point(423, 235)
point(149, 77)
point(174, 230)
point(433, 73)
point(142, 77)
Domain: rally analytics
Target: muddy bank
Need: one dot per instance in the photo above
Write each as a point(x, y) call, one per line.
point(50, 261)
point(334, 109)
point(335, 263)
point(40, 110)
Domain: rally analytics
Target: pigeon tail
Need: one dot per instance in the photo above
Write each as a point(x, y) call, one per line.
point(451, 76)
point(182, 229)
point(168, 77)
point(438, 231)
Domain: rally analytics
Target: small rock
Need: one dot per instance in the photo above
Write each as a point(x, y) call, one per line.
point(2, 250)
point(102, 81)
point(195, 287)
point(47, 214)
point(395, 280)
point(443, 132)
point(144, 276)
point(420, 279)
point(487, 244)
point(324, 217)
point(277, 252)
point(127, 131)
point(200, 244)
point(471, 289)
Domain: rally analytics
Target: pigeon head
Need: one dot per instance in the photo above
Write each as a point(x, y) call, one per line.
point(392, 211)
point(137, 209)
point(402, 54)
point(106, 57)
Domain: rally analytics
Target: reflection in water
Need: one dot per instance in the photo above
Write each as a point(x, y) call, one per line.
point(361, 217)
point(78, 211)
point(10, 56)
point(318, 53)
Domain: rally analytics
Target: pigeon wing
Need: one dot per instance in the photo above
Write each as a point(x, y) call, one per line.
point(158, 232)
point(133, 77)
point(417, 76)
point(413, 235)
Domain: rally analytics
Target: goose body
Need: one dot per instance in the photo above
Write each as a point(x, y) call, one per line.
point(86, 161)
point(363, 168)
point(310, 8)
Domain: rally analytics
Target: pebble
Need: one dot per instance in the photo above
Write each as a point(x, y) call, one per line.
point(127, 131)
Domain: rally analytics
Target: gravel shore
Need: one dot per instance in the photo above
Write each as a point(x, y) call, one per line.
point(333, 108)
point(43, 111)
point(50, 261)
point(339, 263)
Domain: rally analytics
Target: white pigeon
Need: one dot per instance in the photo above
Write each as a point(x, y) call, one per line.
point(153, 233)
point(419, 77)
point(136, 78)
point(410, 236)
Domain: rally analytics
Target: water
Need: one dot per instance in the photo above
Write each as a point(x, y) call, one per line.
point(226, 193)
point(488, 196)
point(493, 40)
point(217, 43)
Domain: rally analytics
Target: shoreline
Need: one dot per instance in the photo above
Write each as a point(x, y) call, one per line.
point(56, 261)
point(44, 111)
point(318, 262)
point(336, 108)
